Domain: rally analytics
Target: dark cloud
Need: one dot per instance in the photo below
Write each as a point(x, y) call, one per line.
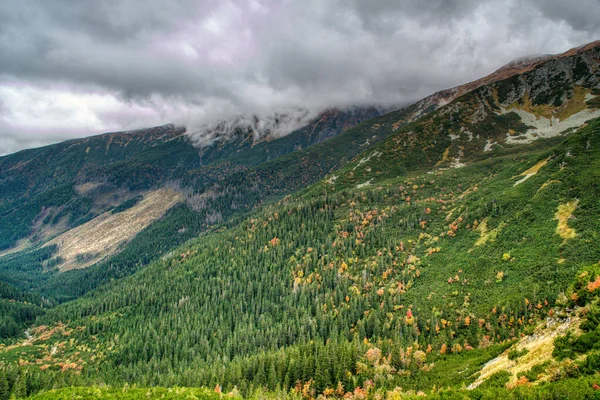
point(72, 67)
point(387, 13)
point(582, 15)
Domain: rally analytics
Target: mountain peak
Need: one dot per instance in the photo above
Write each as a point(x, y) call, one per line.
point(525, 61)
point(518, 66)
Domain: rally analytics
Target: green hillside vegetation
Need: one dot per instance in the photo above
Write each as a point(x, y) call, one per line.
point(104, 178)
point(17, 310)
point(132, 393)
point(389, 285)
point(569, 388)
point(153, 157)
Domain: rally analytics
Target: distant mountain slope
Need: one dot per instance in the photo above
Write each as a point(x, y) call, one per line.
point(30, 172)
point(53, 190)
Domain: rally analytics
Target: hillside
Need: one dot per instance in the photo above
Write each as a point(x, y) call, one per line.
point(90, 164)
point(83, 173)
point(325, 287)
point(438, 251)
point(53, 194)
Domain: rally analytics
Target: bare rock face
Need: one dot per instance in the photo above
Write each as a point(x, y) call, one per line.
point(553, 81)
point(573, 66)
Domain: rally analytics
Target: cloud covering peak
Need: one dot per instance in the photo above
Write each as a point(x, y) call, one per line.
point(71, 68)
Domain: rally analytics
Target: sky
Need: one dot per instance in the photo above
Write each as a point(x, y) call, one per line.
point(72, 68)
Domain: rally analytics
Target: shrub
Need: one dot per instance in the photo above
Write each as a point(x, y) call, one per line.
point(534, 372)
point(499, 379)
point(514, 354)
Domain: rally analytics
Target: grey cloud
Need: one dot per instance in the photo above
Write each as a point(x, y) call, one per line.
point(136, 63)
point(384, 13)
point(12, 140)
point(580, 15)
point(104, 43)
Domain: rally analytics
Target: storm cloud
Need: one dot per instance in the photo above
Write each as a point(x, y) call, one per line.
point(74, 68)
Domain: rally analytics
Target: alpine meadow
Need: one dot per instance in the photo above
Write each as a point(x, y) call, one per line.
point(444, 248)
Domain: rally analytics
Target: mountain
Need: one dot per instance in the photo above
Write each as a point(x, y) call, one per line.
point(514, 68)
point(74, 204)
point(448, 250)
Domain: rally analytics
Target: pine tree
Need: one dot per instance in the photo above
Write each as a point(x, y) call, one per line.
point(4, 388)
point(19, 389)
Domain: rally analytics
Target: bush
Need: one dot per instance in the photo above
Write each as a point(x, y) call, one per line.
point(534, 372)
point(498, 380)
point(586, 289)
point(568, 346)
point(514, 354)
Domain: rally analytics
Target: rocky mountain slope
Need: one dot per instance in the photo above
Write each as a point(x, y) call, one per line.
point(516, 67)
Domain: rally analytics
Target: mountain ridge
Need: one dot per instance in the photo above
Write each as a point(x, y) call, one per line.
point(508, 70)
